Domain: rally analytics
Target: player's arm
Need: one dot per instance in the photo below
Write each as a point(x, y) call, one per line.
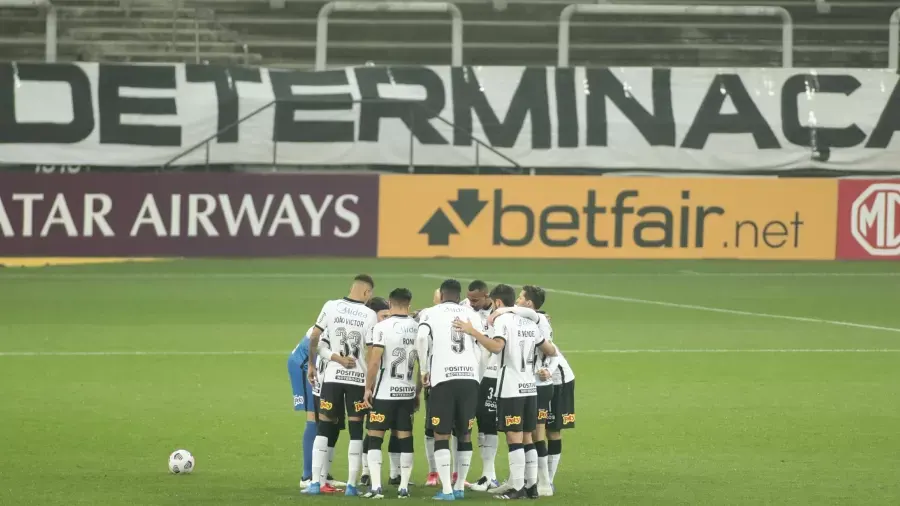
point(547, 348)
point(311, 357)
point(524, 312)
point(493, 345)
point(376, 351)
point(423, 337)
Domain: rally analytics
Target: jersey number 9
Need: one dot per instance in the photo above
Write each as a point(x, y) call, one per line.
point(457, 341)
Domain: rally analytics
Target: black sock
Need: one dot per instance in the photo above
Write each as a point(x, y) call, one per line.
point(541, 447)
point(393, 444)
point(554, 446)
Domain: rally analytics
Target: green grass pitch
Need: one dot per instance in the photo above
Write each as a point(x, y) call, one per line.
point(674, 419)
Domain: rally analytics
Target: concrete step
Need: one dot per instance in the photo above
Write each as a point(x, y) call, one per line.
point(144, 34)
point(216, 57)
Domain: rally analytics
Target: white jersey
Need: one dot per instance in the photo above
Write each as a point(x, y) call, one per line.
point(493, 359)
point(346, 329)
point(562, 373)
point(452, 354)
point(396, 376)
point(542, 361)
point(517, 358)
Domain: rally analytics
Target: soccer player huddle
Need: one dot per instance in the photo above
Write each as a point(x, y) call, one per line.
point(488, 359)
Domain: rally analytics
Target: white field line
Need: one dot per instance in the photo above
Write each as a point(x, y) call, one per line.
point(475, 275)
point(634, 300)
point(285, 354)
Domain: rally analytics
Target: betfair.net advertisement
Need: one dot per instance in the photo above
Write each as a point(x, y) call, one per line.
point(606, 217)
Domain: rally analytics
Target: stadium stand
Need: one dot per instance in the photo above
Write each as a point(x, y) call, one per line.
point(852, 34)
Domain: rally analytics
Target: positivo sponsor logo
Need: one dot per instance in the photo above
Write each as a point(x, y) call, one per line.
point(874, 219)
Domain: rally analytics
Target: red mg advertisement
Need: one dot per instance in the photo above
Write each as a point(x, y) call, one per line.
point(868, 220)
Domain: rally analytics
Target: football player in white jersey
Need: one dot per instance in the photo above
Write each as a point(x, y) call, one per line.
point(516, 338)
point(392, 389)
point(344, 325)
point(533, 297)
point(433, 480)
point(451, 369)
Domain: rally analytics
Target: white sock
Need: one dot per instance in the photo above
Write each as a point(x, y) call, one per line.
point(354, 457)
point(543, 472)
point(406, 466)
point(319, 459)
point(517, 469)
point(374, 458)
point(327, 469)
point(429, 454)
point(531, 467)
point(488, 456)
point(552, 465)
point(463, 464)
point(454, 460)
point(365, 463)
point(442, 459)
point(395, 465)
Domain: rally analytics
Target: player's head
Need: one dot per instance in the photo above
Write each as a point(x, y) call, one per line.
point(478, 295)
point(503, 296)
point(400, 298)
point(450, 291)
point(380, 306)
point(531, 296)
point(363, 286)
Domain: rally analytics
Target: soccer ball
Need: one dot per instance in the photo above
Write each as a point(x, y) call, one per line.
point(181, 462)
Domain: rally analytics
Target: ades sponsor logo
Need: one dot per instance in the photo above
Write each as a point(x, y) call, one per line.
point(513, 420)
point(568, 418)
point(298, 400)
point(435, 421)
point(376, 417)
point(360, 406)
point(325, 405)
point(543, 414)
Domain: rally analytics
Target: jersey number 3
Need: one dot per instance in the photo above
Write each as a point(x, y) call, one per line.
point(351, 342)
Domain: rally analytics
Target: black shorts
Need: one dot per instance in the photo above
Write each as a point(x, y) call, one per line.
point(562, 407)
point(544, 399)
point(452, 406)
point(517, 414)
point(487, 405)
point(335, 396)
point(341, 423)
point(394, 414)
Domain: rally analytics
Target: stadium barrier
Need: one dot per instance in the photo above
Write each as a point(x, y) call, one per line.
point(262, 215)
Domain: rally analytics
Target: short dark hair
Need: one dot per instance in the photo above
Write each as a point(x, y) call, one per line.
point(535, 294)
point(477, 286)
point(365, 278)
point(377, 304)
point(401, 296)
point(450, 290)
point(505, 293)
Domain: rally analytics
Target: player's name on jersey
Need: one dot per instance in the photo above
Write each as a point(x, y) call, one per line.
point(341, 374)
point(527, 333)
point(402, 392)
point(527, 388)
point(340, 320)
point(459, 371)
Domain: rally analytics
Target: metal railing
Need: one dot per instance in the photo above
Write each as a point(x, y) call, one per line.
point(894, 40)
point(565, 18)
point(456, 27)
point(479, 145)
point(52, 23)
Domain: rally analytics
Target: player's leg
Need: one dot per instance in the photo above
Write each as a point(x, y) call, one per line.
point(329, 406)
point(432, 479)
point(564, 405)
point(394, 455)
point(510, 411)
point(466, 400)
point(365, 479)
point(440, 420)
point(402, 425)
point(486, 416)
point(303, 401)
point(379, 421)
point(545, 397)
point(356, 409)
point(529, 425)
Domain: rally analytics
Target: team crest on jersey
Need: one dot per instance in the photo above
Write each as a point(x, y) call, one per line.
point(543, 414)
point(376, 417)
point(513, 420)
point(435, 420)
point(323, 404)
point(359, 406)
point(471, 423)
point(568, 418)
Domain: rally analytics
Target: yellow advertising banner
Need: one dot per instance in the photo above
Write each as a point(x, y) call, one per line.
point(606, 217)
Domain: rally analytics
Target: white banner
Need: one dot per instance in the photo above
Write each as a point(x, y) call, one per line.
point(544, 117)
